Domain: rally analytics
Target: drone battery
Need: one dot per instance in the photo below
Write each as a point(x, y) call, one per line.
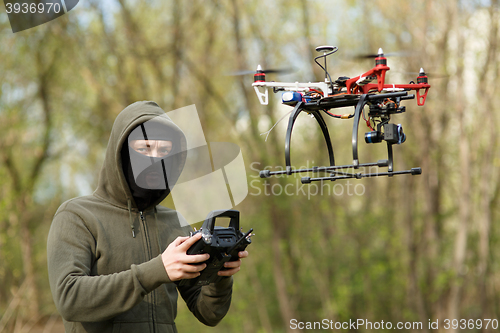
point(291, 97)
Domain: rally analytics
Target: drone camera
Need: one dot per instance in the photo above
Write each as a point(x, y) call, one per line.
point(374, 137)
point(393, 134)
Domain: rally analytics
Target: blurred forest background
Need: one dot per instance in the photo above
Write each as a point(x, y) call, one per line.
point(401, 249)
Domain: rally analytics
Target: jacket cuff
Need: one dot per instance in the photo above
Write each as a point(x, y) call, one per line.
point(151, 274)
point(221, 287)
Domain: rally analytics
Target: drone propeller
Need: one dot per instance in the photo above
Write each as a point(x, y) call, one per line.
point(265, 71)
point(390, 54)
point(433, 75)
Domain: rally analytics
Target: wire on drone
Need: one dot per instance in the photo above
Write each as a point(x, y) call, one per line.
point(339, 116)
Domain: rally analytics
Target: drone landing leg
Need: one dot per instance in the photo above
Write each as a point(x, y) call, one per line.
point(326, 135)
point(390, 157)
point(357, 114)
point(288, 140)
point(413, 171)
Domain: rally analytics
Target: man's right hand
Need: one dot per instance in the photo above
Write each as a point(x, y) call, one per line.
point(177, 262)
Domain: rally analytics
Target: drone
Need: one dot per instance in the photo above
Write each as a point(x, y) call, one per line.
point(368, 89)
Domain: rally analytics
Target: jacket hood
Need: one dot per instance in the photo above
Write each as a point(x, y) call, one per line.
point(112, 185)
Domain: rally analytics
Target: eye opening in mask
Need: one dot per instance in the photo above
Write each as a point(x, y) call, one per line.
point(152, 148)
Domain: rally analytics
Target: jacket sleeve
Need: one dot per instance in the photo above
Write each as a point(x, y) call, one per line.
point(208, 303)
point(78, 295)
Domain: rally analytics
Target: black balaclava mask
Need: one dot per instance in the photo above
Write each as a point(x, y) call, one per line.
point(150, 178)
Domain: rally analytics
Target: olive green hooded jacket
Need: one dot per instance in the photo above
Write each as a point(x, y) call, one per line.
point(104, 256)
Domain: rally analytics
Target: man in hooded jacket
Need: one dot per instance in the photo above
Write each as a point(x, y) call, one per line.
point(110, 269)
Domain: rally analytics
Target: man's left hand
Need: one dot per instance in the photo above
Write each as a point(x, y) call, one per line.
point(233, 266)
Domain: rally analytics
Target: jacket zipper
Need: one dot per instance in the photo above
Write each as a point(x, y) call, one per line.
point(150, 255)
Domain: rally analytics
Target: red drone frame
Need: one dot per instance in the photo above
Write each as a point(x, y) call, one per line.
point(353, 85)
